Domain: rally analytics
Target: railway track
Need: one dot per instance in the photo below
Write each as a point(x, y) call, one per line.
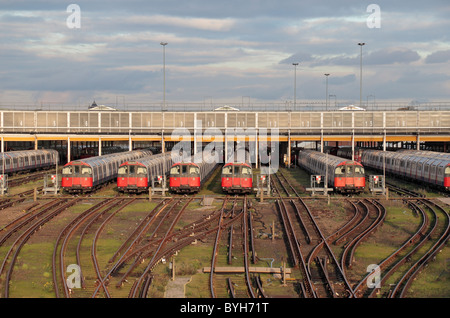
point(45, 215)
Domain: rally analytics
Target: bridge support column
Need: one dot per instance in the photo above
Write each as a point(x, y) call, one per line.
point(418, 142)
point(321, 141)
point(3, 145)
point(256, 149)
point(99, 146)
point(289, 149)
point(130, 143)
point(353, 145)
point(68, 149)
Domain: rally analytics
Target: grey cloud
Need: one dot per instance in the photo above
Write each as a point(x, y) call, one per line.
point(438, 57)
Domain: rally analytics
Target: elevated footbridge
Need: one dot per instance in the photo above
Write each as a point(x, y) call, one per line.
point(220, 126)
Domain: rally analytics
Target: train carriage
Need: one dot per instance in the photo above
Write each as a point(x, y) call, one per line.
point(188, 175)
point(426, 167)
point(137, 175)
point(344, 176)
point(27, 160)
point(87, 174)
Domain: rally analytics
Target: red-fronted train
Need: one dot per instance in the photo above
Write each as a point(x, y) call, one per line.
point(189, 174)
point(87, 174)
point(344, 176)
point(237, 174)
point(137, 175)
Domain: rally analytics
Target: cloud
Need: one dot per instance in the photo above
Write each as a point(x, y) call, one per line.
point(391, 56)
point(438, 57)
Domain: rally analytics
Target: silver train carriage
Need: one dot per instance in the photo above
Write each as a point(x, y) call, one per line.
point(431, 168)
point(23, 160)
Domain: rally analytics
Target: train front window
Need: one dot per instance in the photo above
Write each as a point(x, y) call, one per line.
point(227, 170)
point(246, 171)
point(359, 170)
point(122, 170)
point(194, 170)
point(340, 170)
point(132, 169)
point(76, 169)
point(86, 170)
point(141, 170)
point(67, 170)
point(175, 170)
point(447, 170)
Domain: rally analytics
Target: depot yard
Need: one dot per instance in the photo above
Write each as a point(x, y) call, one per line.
point(128, 245)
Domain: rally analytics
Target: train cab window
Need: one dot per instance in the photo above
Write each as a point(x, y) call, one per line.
point(227, 170)
point(359, 170)
point(349, 169)
point(194, 170)
point(76, 169)
point(184, 169)
point(131, 169)
point(246, 171)
point(447, 170)
point(340, 170)
point(141, 170)
point(123, 170)
point(86, 170)
point(175, 170)
point(67, 170)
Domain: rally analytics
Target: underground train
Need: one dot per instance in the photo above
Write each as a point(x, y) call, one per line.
point(346, 152)
point(344, 176)
point(428, 167)
point(137, 175)
point(27, 160)
point(87, 174)
point(188, 175)
point(237, 174)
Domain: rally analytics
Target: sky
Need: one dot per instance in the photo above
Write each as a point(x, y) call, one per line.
point(223, 51)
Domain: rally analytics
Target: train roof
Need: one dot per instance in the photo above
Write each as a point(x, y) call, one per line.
point(19, 153)
point(94, 161)
point(237, 164)
point(145, 161)
point(329, 158)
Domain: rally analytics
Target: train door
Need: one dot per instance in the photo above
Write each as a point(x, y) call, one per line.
point(236, 180)
point(350, 176)
point(193, 176)
point(132, 176)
